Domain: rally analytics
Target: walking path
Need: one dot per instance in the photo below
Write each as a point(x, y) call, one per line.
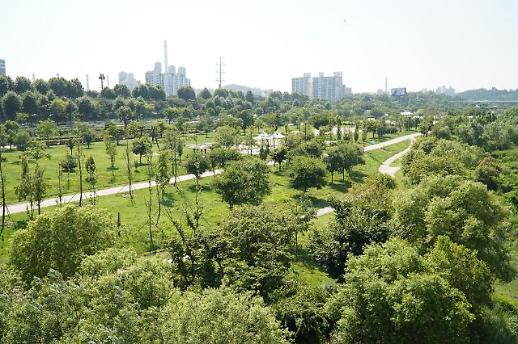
point(385, 167)
point(23, 206)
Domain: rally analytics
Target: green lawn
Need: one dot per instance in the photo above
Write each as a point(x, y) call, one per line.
point(134, 217)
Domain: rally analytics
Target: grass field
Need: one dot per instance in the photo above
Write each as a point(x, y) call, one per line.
point(106, 176)
point(134, 217)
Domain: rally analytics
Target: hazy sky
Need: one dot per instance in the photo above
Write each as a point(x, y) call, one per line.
point(415, 43)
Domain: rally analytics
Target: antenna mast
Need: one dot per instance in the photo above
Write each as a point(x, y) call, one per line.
point(220, 72)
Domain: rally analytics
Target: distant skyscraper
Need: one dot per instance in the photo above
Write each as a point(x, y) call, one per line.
point(170, 81)
point(322, 87)
point(128, 79)
point(302, 85)
point(328, 87)
point(2, 67)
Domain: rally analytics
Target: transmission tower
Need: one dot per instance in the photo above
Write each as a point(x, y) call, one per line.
point(220, 72)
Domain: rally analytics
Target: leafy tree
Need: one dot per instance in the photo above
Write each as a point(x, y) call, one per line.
point(242, 319)
point(60, 240)
point(279, 155)
point(85, 132)
point(205, 94)
point(302, 311)
point(258, 242)
point(389, 296)
point(354, 227)
point(46, 130)
point(22, 85)
point(58, 109)
point(69, 164)
point(6, 84)
point(197, 164)
point(461, 209)
point(111, 151)
point(243, 182)
point(30, 104)
point(306, 172)
point(219, 157)
point(121, 91)
point(22, 140)
point(11, 105)
point(487, 172)
point(125, 114)
point(187, 94)
point(24, 189)
point(226, 136)
point(142, 146)
point(163, 173)
point(92, 177)
point(39, 187)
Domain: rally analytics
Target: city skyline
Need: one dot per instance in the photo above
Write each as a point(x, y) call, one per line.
point(265, 44)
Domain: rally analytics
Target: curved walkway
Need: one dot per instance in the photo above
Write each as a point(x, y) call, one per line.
point(49, 202)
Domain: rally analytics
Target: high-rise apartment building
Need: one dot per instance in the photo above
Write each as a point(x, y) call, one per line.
point(170, 80)
point(322, 87)
point(302, 85)
point(2, 67)
point(128, 79)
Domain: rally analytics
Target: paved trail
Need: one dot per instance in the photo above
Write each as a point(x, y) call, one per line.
point(49, 202)
point(385, 167)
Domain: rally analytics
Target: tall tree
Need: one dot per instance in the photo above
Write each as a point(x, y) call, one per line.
point(306, 172)
point(243, 182)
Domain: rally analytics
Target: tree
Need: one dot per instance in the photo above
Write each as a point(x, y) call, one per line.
point(46, 130)
point(187, 94)
point(111, 151)
point(125, 114)
point(30, 104)
point(92, 177)
point(58, 109)
point(142, 146)
point(389, 296)
point(243, 182)
point(197, 164)
point(219, 157)
point(39, 187)
point(461, 209)
point(242, 319)
point(279, 155)
point(85, 133)
point(163, 173)
point(4, 138)
point(59, 240)
point(226, 136)
point(22, 85)
point(11, 105)
point(306, 172)
point(121, 91)
point(24, 188)
point(333, 162)
point(22, 140)
point(205, 94)
point(354, 227)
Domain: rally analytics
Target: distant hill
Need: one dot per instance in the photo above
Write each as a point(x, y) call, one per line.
point(492, 94)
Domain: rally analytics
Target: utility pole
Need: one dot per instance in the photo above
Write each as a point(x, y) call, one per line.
point(220, 72)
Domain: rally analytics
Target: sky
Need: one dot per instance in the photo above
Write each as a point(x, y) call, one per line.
point(414, 43)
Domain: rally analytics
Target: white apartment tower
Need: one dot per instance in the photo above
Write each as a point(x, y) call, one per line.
point(2, 67)
point(322, 87)
point(169, 80)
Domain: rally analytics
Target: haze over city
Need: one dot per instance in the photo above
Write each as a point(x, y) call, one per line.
point(416, 44)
